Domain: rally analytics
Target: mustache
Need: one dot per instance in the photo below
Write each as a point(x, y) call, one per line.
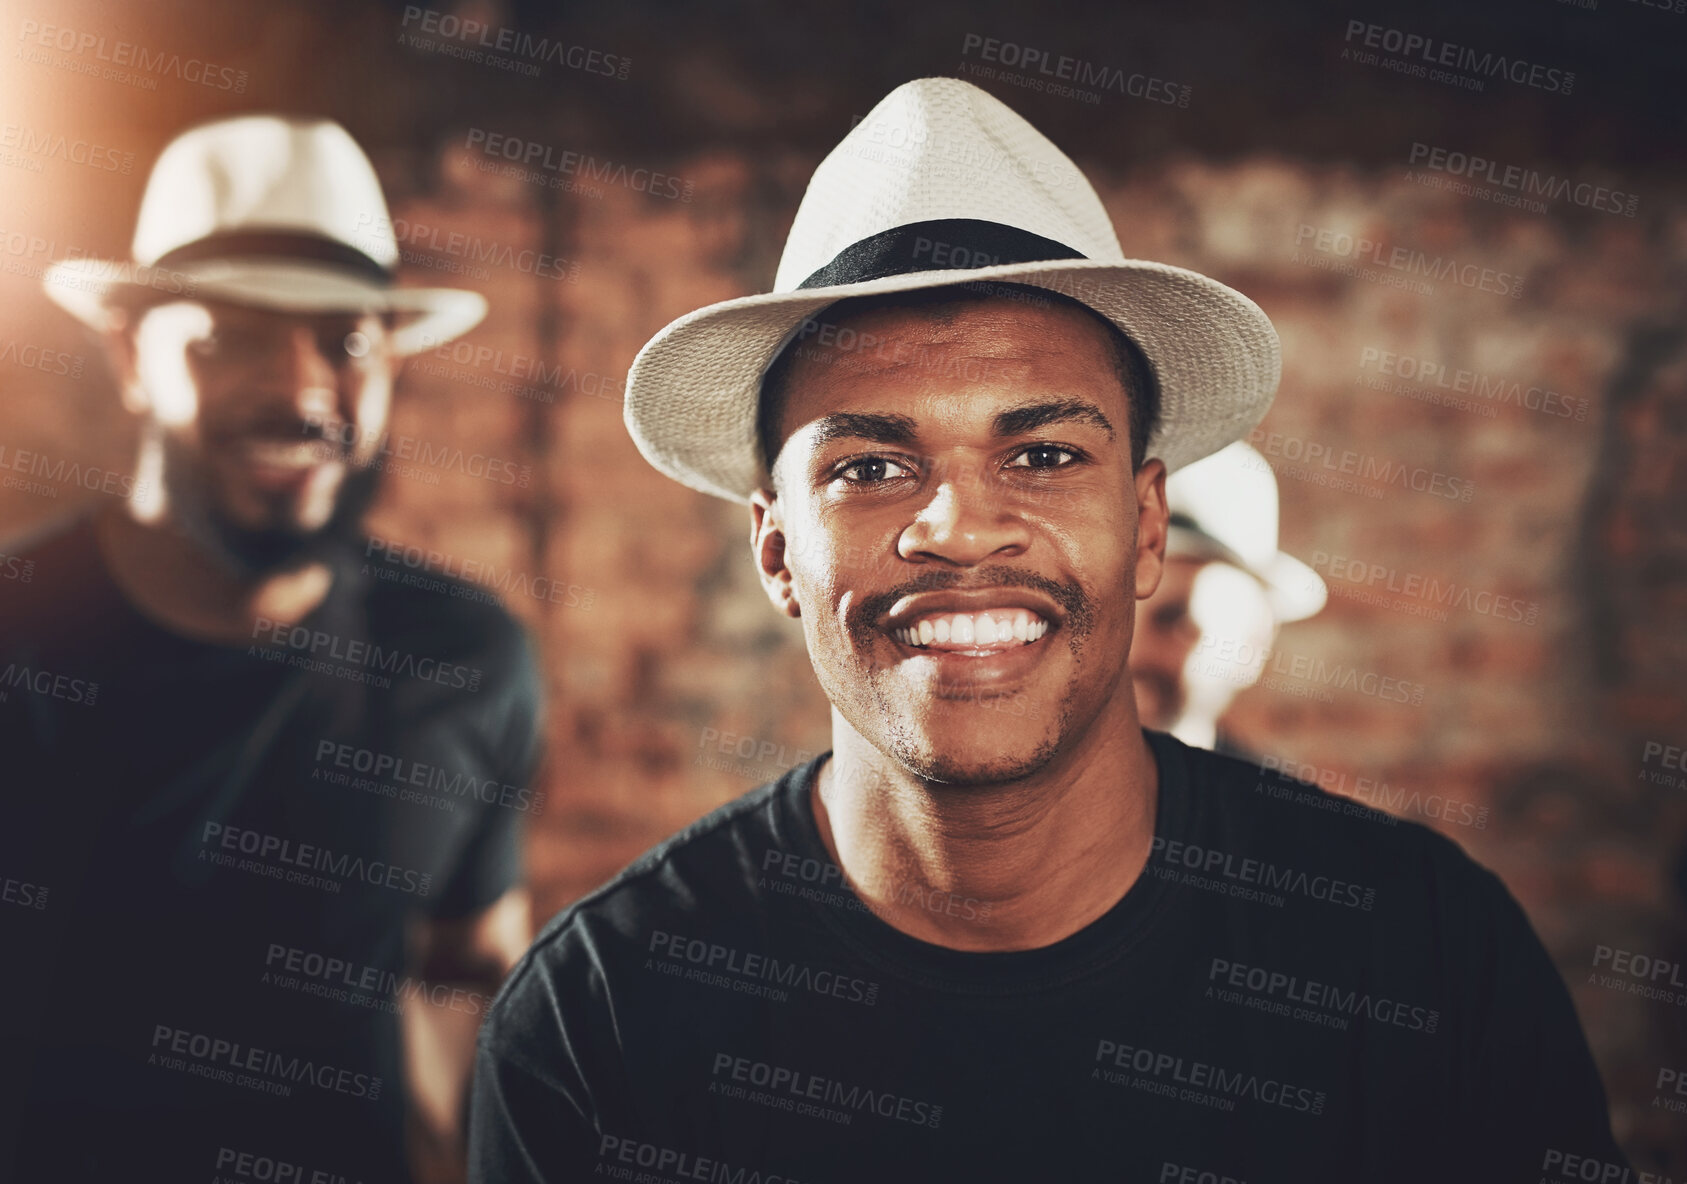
point(335, 436)
point(1078, 606)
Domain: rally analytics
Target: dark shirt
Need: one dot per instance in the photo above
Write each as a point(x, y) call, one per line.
point(212, 853)
point(1296, 989)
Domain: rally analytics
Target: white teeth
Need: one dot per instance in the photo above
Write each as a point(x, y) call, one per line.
point(990, 628)
point(300, 454)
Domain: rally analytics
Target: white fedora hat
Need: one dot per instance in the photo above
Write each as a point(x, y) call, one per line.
point(943, 184)
point(271, 211)
point(1224, 507)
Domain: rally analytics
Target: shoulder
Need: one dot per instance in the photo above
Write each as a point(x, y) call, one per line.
point(419, 614)
point(51, 572)
point(1255, 808)
point(51, 555)
point(704, 873)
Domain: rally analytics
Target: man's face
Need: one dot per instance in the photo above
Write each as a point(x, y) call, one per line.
point(269, 421)
point(1202, 639)
point(959, 528)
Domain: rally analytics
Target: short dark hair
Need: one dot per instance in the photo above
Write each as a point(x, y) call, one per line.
point(1132, 368)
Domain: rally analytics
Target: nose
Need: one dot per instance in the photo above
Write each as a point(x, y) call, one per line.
point(963, 523)
point(297, 372)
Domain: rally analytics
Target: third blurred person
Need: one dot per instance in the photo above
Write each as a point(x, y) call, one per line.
point(1205, 635)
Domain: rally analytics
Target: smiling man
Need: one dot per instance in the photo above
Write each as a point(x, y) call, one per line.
point(999, 931)
point(271, 791)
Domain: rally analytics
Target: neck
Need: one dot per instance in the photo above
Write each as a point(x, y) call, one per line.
point(181, 585)
point(1004, 866)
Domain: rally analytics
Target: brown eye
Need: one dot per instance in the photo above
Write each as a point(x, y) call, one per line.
point(1043, 456)
point(872, 470)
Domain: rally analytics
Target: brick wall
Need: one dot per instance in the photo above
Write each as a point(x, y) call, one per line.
point(675, 687)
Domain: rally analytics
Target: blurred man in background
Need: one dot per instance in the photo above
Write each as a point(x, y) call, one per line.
point(270, 797)
point(1205, 635)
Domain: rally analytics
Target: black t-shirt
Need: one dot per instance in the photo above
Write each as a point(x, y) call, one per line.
point(210, 854)
point(1296, 989)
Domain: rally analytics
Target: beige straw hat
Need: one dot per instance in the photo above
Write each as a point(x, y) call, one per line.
point(269, 211)
point(943, 184)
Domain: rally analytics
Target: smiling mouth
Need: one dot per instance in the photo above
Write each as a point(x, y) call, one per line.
point(980, 634)
point(286, 454)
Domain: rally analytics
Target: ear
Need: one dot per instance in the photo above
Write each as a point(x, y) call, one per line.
point(118, 343)
point(1152, 522)
point(767, 544)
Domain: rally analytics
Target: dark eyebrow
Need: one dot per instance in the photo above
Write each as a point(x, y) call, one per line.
point(881, 429)
point(1020, 421)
